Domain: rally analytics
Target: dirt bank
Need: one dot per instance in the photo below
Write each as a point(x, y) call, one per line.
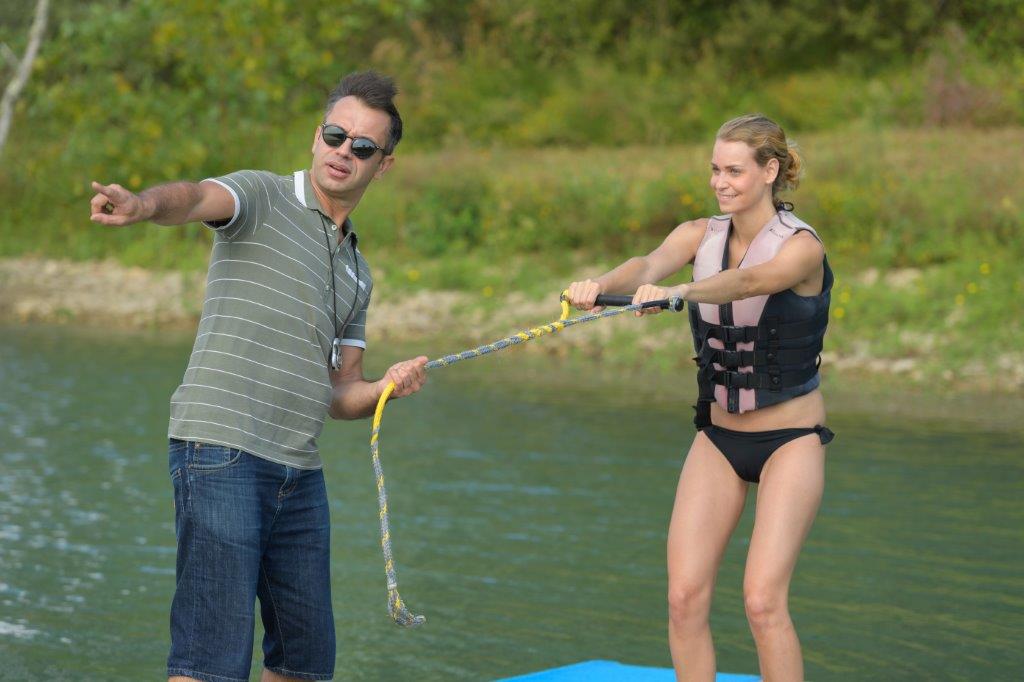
point(97, 294)
point(107, 294)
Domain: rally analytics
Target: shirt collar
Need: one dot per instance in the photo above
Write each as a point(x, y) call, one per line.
point(307, 197)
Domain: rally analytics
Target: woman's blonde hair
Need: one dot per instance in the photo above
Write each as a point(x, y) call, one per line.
point(768, 141)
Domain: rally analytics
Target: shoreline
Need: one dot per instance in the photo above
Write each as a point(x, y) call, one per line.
point(105, 295)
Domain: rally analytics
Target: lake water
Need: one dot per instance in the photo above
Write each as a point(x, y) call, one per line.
point(529, 507)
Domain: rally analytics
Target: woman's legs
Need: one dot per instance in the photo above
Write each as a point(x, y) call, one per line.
point(788, 497)
point(709, 501)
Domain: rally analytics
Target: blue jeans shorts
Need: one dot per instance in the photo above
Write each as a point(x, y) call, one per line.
point(249, 528)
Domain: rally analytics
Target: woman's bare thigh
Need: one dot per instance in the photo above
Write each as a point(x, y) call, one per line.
point(708, 504)
point(788, 497)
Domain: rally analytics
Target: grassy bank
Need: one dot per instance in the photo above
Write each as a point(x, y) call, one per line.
point(924, 230)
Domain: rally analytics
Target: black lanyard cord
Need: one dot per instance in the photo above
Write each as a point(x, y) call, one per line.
point(334, 293)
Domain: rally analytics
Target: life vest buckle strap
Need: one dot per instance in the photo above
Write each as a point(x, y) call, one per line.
point(730, 358)
point(736, 379)
point(772, 380)
point(732, 334)
point(790, 358)
point(770, 332)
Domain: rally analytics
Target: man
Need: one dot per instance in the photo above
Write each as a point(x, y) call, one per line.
point(279, 347)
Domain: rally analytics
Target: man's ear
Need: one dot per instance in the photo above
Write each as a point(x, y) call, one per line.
point(385, 164)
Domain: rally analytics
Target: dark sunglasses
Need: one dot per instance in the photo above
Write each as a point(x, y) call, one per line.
point(335, 136)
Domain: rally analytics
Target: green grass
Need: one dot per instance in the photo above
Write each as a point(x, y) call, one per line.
point(924, 230)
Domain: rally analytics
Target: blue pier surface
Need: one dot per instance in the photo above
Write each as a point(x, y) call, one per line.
point(612, 671)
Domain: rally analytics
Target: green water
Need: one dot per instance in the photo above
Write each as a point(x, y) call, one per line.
point(529, 504)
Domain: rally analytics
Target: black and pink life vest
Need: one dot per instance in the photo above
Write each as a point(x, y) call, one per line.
point(762, 350)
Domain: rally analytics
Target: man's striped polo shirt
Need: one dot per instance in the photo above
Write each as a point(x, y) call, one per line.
point(258, 377)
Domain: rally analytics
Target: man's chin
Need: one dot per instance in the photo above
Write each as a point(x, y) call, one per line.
point(332, 186)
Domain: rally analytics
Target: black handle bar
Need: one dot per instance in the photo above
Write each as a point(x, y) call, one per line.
point(674, 304)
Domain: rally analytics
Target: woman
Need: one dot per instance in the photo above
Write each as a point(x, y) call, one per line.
point(758, 310)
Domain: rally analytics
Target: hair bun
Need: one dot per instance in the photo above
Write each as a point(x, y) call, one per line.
point(791, 168)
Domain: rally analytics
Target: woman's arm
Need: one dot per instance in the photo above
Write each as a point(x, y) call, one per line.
point(799, 259)
point(678, 249)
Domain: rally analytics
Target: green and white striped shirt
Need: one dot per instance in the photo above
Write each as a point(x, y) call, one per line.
point(258, 377)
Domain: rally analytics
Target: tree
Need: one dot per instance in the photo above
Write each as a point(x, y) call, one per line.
point(22, 69)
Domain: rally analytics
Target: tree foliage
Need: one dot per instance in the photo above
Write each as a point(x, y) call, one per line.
point(471, 69)
point(150, 90)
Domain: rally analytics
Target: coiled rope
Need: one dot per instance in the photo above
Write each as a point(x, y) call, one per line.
point(396, 607)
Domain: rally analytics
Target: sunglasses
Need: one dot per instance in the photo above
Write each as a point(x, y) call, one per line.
point(335, 136)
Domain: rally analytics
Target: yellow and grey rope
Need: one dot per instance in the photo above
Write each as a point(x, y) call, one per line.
point(396, 607)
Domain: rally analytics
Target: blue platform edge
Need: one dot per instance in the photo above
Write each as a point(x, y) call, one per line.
point(613, 671)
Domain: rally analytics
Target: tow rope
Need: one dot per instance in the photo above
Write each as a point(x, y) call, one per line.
point(396, 607)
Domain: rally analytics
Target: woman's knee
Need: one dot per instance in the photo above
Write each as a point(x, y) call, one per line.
point(688, 603)
point(766, 608)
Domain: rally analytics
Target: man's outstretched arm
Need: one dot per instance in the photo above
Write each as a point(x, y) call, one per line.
point(175, 203)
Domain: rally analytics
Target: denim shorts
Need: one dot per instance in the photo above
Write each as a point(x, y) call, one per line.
point(249, 528)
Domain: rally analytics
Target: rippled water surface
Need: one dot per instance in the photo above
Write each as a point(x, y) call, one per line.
point(529, 515)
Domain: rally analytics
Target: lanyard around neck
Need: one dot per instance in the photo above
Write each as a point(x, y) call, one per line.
point(334, 293)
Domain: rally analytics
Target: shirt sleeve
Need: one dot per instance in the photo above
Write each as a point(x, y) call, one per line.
point(354, 333)
point(251, 191)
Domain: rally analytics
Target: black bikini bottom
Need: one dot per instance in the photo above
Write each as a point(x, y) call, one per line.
point(747, 451)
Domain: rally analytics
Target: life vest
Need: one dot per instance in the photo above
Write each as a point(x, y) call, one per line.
point(761, 350)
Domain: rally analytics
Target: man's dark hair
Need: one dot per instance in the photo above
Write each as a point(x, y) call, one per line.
point(376, 91)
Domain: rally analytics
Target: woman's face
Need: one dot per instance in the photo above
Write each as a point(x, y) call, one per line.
point(738, 182)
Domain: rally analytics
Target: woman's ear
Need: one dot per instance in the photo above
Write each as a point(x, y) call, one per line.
point(771, 170)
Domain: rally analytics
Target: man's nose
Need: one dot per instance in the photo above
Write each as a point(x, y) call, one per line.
point(345, 148)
